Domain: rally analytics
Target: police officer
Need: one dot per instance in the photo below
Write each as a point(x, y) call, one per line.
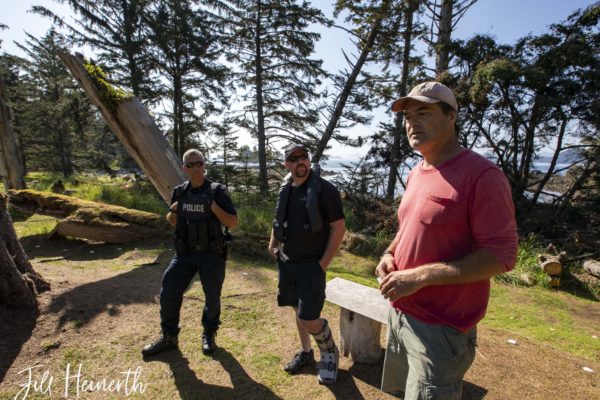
point(198, 210)
point(307, 232)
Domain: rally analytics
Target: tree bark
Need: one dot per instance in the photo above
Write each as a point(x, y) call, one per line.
point(400, 130)
point(10, 167)
point(131, 122)
point(19, 283)
point(443, 38)
point(89, 220)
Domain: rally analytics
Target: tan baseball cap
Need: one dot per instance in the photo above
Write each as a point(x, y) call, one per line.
point(427, 92)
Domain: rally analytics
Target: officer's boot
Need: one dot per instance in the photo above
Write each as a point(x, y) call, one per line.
point(165, 342)
point(208, 341)
point(328, 366)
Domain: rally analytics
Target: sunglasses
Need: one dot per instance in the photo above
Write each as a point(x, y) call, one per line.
point(297, 158)
point(193, 164)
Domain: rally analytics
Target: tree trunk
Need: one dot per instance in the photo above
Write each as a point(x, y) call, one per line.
point(89, 220)
point(260, 131)
point(10, 167)
point(19, 283)
point(341, 103)
point(443, 38)
point(399, 130)
point(131, 122)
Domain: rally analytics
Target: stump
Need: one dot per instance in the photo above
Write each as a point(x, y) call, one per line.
point(363, 311)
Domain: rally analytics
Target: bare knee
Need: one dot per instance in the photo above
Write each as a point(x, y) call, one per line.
point(312, 326)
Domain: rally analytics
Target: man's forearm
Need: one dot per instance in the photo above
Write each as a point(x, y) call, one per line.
point(476, 266)
point(225, 218)
point(336, 235)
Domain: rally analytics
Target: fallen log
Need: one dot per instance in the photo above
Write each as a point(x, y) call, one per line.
point(552, 264)
point(592, 267)
point(90, 220)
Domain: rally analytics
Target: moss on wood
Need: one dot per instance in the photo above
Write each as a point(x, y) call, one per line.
point(111, 95)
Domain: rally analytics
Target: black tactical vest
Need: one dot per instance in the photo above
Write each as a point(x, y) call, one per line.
point(197, 228)
point(312, 204)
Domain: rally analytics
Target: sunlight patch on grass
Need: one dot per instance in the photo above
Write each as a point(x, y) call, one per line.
point(35, 225)
point(541, 316)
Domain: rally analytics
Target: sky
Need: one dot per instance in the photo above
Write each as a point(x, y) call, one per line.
point(505, 20)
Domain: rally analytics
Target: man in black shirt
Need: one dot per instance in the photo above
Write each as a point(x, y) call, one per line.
point(307, 232)
point(198, 210)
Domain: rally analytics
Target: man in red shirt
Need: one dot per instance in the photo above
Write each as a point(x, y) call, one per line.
point(456, 231)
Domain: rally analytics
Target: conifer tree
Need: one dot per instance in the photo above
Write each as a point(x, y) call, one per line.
point(271, 49)
point(184, 45)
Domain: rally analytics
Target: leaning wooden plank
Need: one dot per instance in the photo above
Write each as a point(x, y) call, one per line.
point(130, 121)
point(90, 220)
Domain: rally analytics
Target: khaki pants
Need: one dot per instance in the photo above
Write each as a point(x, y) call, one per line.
point(424, 361)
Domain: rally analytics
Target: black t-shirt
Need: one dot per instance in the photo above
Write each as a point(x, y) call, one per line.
point(301, 244)
point(221, 196)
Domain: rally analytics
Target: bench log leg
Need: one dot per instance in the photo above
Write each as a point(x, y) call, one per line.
point(359, 337)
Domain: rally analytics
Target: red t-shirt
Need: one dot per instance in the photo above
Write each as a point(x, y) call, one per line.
point(446, 213)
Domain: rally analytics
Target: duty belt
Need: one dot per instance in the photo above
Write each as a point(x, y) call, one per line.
point(197, 247)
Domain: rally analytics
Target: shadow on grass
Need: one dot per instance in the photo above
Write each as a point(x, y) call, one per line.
point(191, 387)
point(39, 246)
point(16, 327)
point(471, 391)
point(83, 303)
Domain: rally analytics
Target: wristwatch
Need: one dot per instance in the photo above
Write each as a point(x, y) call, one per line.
point(388, 252)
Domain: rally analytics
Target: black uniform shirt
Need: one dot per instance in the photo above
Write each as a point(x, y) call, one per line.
point(301, 244)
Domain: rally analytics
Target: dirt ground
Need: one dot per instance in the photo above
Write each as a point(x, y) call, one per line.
point(103, 309)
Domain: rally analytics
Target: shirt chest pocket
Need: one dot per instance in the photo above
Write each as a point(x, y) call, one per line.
point(437, 211)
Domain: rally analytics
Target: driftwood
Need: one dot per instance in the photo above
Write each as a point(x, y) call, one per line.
point(19, 283)
point(90, 220)
point(552, 264)
point(130, 121)
point(10, 166)
point(592, 267)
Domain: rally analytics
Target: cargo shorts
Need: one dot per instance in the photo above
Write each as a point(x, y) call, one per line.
point(424, 361)
point(302, 285)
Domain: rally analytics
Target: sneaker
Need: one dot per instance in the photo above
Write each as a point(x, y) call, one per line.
point(301, 358)
point(163, 343)
point(208, 342)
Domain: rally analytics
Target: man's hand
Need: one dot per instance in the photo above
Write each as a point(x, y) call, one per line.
point(323, 267)
point(385, 266)
point(273, 252)
point(398, 284)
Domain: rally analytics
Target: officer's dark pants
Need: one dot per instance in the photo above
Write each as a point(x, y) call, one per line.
point(177, 277)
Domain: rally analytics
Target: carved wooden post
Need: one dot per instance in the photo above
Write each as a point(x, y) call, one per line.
point(10, 167)
point(130, 121)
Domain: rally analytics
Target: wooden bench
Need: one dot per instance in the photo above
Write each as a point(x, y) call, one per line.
point(363, 311)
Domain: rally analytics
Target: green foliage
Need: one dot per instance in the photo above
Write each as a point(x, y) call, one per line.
point(527, 271)
point(139, 195)
point(255, 213)
point(111, 95)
